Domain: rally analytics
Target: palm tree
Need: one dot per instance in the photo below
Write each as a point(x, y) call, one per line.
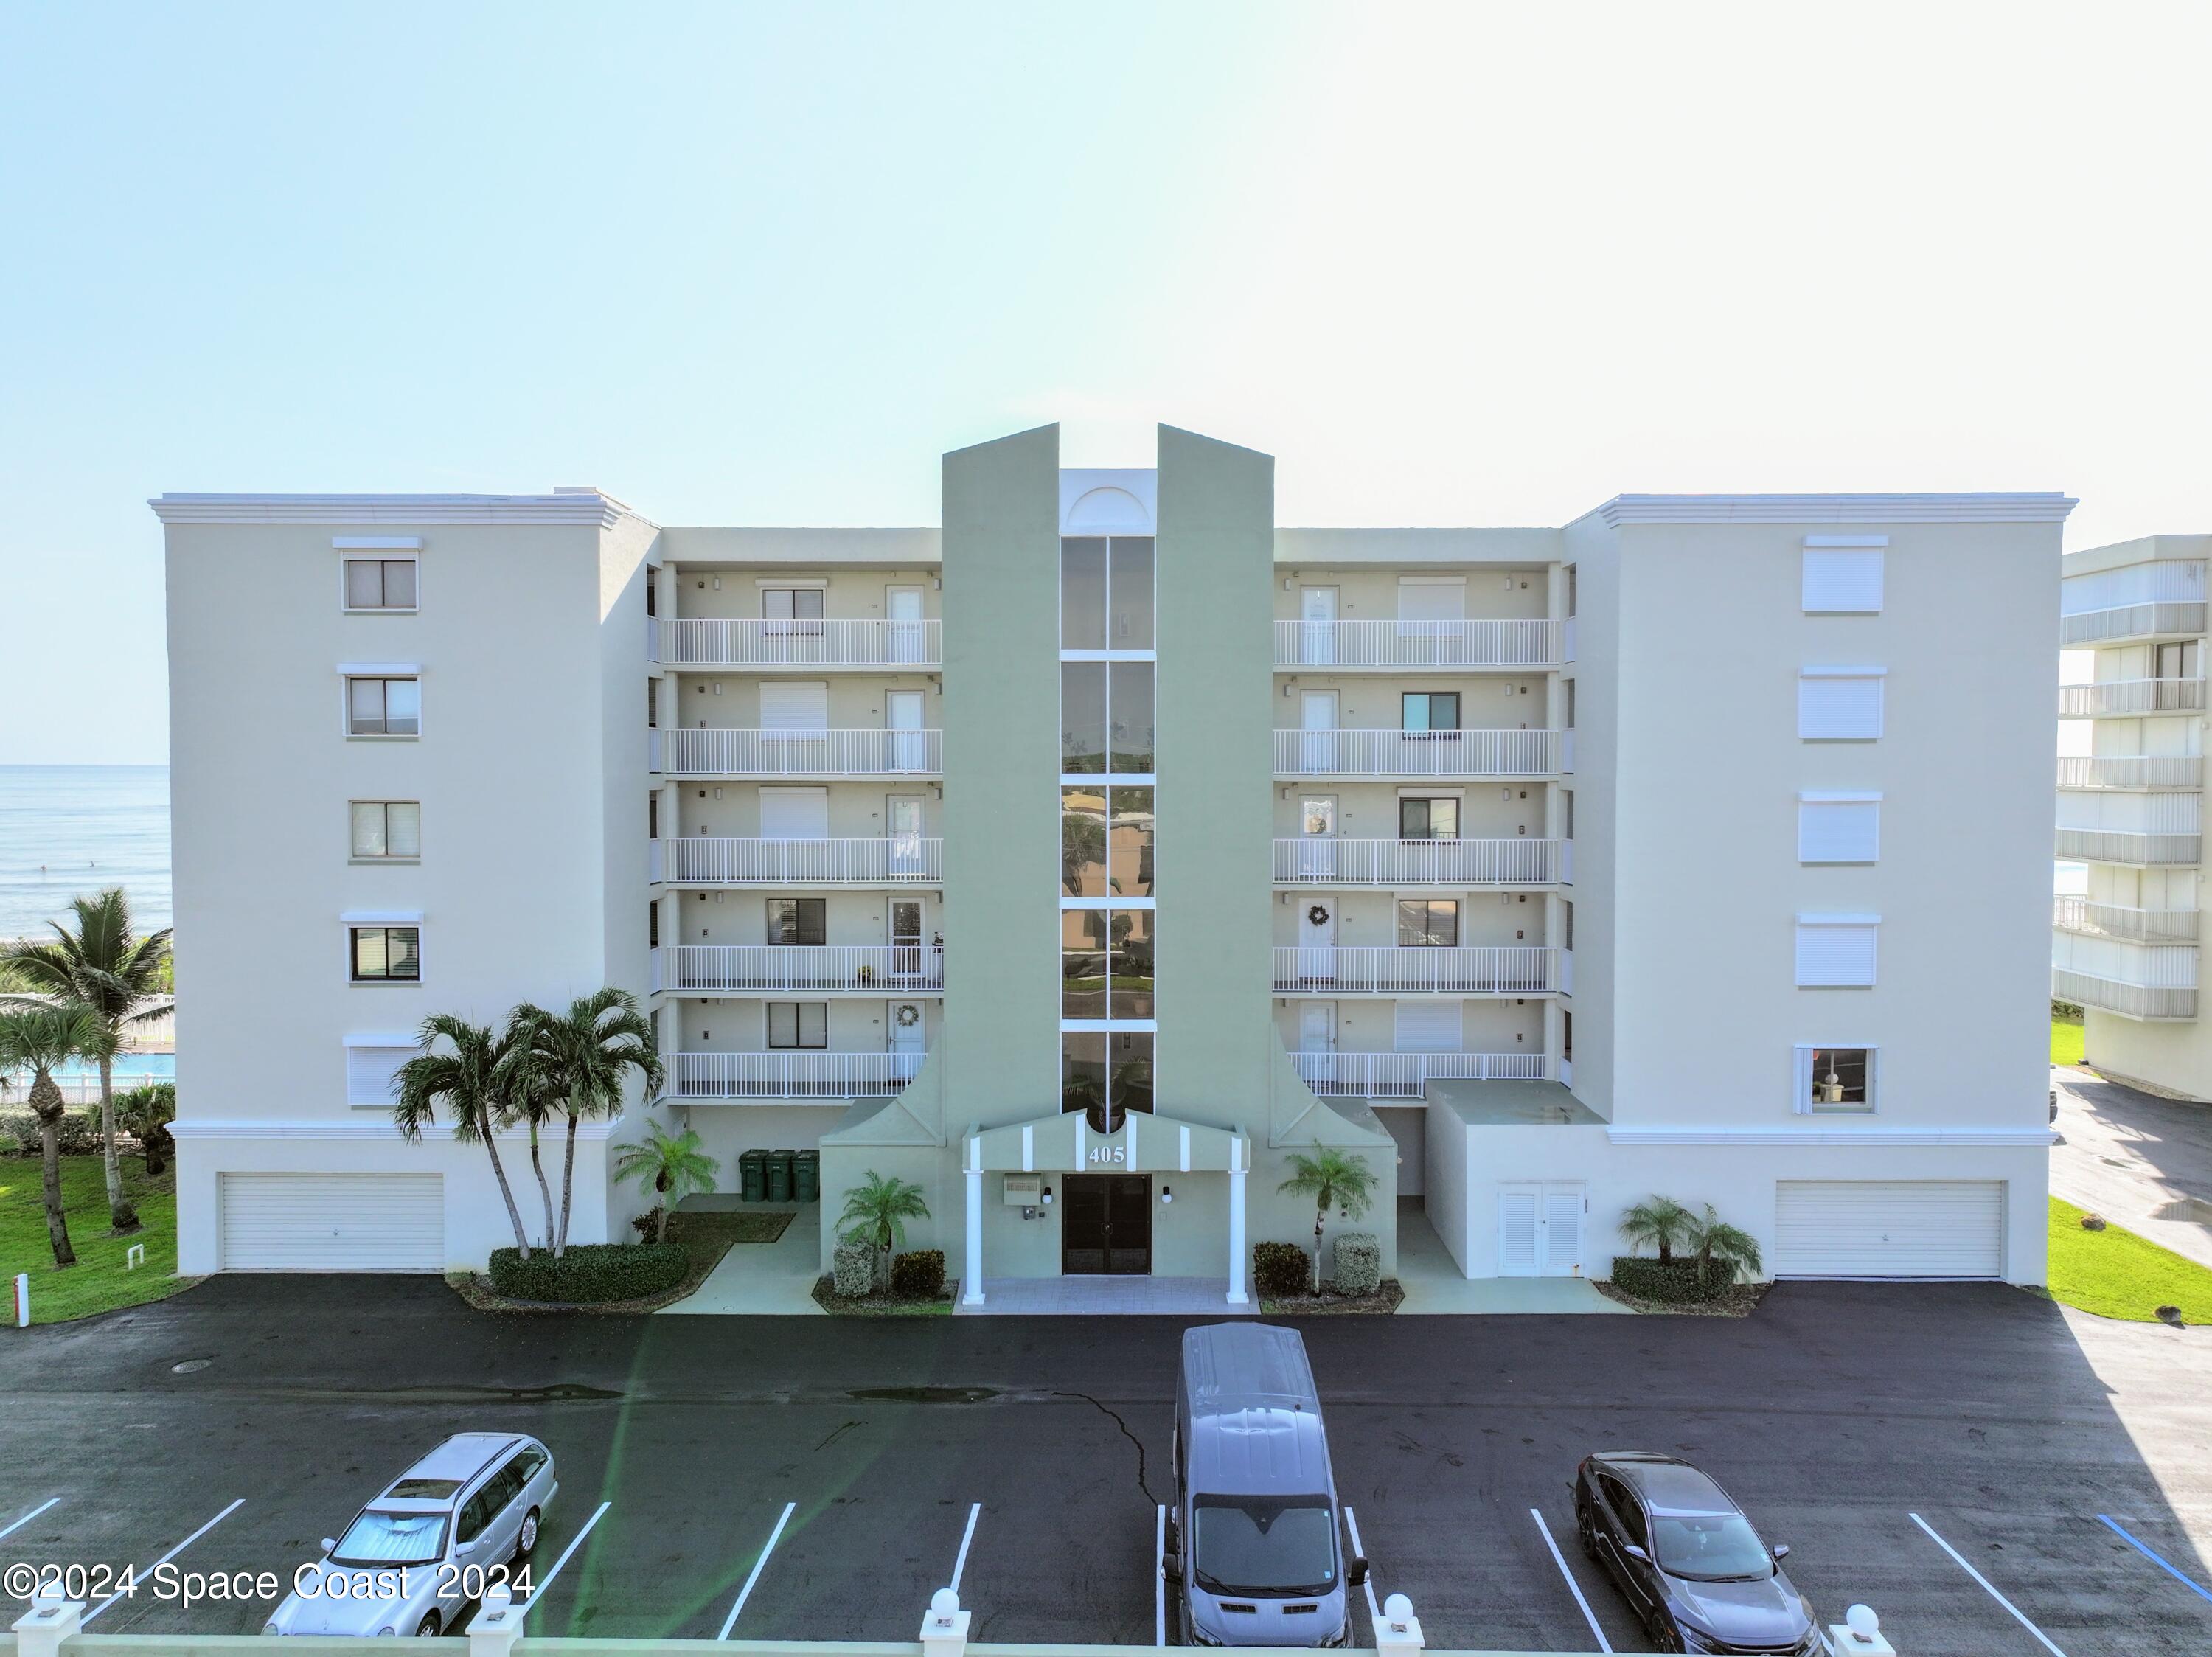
point(1333, 1181)
point(470, 1076)
point(40, 1038)
point(1658, 1220)
point(147, 1111)
point(580, 1059)
point(529, 1090)
point(673, 1167)
point(120, 976)
point(1719, 1243)
point(875, 1211)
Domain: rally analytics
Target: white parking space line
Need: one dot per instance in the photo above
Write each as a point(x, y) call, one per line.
point(1160, 1578)
point(172, 1554)
point(1573, 1587)
point(30, 1516)
point(1959, 1561)
point(538, 1592)
point(1374, 1612)
point(2112, 1525)
point(745, 1593)
point(966, 1536)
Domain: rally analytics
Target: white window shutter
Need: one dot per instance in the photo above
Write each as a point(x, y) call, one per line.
point(1432, 600)
point(794, 706)
point(1839, 707)
point(1838, 831)
point(370, 1071)
point(1846, 579)
point(1836, 954)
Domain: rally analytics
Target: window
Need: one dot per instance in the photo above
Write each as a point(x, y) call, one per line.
point(1129, 853)
point(793, 708)
point(1129, 963)
point(379, 584)
point(1429, 710)
point(1129, 594)
point(653, 926)
point(384, 707)
point(799, 1024)
point(372, 1065)
point(1106, 592)
point(791, 612)
point(1836, 952)
point(1129, 717)
point(2177, 659)
point(387, 955)
point(1428, 819)
point(1834, 1079)
point(803, 921)
point(1428, 923)
point(387, 829)
point(1842, 573)
point(1838, 828)
point(1623, 1501)
point(1839, 705)
point(1106, 1073)
point(1106, 718)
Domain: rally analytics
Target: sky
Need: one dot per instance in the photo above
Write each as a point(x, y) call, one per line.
point(764, 264)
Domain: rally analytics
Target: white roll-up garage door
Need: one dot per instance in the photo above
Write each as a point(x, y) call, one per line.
point(1889, 1228)
point(334, 1222)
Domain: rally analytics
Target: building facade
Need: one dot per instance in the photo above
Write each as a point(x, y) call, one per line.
point(1089, 858)
point(2132, 808)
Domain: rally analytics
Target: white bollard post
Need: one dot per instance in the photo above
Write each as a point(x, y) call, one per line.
point(944, 1630)
point(1399, 1633)
point(497, 1624)
point(40, 1630)
point(23, 1299)
point(1859, 1635)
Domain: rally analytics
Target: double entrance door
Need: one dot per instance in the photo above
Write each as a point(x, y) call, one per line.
point(1106, 1225)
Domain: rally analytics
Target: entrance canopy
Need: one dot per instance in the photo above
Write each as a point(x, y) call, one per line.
point(1144, 1143)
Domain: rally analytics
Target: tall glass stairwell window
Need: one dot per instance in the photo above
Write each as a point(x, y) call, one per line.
point(1107, 789)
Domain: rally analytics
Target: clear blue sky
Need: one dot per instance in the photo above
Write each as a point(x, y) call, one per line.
point(752, 264)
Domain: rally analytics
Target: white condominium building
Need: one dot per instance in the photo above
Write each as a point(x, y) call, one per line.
point(1086, 858)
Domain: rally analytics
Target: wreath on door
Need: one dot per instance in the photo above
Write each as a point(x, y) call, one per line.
point(908, 1016)
point(1317, 915)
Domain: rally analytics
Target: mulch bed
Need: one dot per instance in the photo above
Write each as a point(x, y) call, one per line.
point(708, 1235)
point(1381, 1302)
point(1737, 1300)
point(884, 1305)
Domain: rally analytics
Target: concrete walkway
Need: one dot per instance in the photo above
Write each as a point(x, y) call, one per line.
point(1434, 1285)
point(1096, 1297)
point(2141, 1162)
point(762, 1279)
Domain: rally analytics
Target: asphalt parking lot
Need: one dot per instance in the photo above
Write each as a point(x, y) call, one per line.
point(1959, 1456)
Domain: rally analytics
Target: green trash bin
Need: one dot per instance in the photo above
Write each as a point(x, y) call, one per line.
point(806, 1177)
point(778, 1176)
point(752, 1176)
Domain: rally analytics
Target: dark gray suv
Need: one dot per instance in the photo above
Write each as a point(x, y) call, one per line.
point(1692, 1568)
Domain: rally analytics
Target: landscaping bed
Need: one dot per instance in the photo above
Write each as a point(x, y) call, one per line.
point(100, 1281)
point(1647, 1286)
point(702, 1237)
point(884, 1303)
point(1381, 1300)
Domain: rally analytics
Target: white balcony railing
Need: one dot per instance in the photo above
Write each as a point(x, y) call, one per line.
point(1423, 753)
point(2127, 846)
point(2163, 596)
point(1325, 861)
point(1419, 644)
point(2073, 913)
point(788, 1075)
point(1406, 1075)
point(801, 644)
point(896, 860)
point(744, 968)
point(2134, 1001)
point(2133, 621)
point(2131, 770)
point(720, 751)
point(2119, 698)
point(1471, 970)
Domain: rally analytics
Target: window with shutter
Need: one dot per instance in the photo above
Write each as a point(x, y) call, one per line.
point(370, 1069)
point(1839, 705)
point(794, 707)
point(1843, 575)
point(1835, 1079)
point(1838, 828)
point(1836, 952)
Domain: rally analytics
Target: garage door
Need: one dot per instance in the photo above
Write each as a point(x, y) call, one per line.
point(334, 1222)
point(1889, 1228)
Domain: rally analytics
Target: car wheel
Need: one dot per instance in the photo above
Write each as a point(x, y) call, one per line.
point(1586, 1529)
point(1664, 1636)
point(427, 1628)
point(527, 1538)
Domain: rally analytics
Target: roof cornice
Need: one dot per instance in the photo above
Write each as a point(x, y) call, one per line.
point(2039, 507)
point(563, 506)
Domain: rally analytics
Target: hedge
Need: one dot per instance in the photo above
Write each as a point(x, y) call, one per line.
point(1674, 1284)
point(920, 1273)
point(1281, 1269)
point(590, 1272)
point(853, 1268)
point(1358, 1263)
point(80, 1136)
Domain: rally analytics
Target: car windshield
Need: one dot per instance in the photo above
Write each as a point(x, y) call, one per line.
point(380, 1538)
point(1709, 1547)
point(1252, 1545)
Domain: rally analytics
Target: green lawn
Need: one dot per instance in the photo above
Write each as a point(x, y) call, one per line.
point(2065, 1042)
point(98, 1281)
point(2116, 1274)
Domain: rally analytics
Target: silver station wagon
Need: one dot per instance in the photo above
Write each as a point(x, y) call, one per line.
point(414, 1559)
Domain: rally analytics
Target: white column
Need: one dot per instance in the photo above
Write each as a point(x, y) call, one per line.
point(1236, 1296)
point(971, 1291)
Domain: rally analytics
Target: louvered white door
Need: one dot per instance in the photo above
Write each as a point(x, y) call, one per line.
point(1517, 1223)
point(332, 1221)
point(1562, 1231)
point(1539, 1229)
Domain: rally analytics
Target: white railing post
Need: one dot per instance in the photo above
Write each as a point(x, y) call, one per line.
point(945, 1626)
point(497, 1624)
point(41, 1630)
point(1398, 1634)
point(1859, 1635)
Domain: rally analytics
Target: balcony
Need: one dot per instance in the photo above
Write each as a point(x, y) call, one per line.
point(2164, 599)
point(2126, 846)
point(2077, 914)
point(723, 753)
point(1474, 970)
point(2133, 1001)
point(884, 860)
point(813, 645)
point(1341, 645)
point(1456, 754)
point(787, 1074)
point(2131, 770)
point(1324, 860)
point(2126, 699)
point(1406, 1075)
point(751, 969)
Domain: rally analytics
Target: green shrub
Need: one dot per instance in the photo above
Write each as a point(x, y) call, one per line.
point(1280, 1270)
point(853, 1268)
point(79, 1136)
point(1674, 1284)
point(919, 1274)
point(1358, 1263)
point(589, 1272)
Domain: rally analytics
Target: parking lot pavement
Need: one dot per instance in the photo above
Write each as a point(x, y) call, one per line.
point(2137, 1159)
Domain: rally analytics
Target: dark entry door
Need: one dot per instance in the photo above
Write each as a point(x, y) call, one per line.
point(1106, 1225)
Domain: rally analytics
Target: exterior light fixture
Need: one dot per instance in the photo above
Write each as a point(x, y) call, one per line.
point(1167, 1195)
point(1047, 1196)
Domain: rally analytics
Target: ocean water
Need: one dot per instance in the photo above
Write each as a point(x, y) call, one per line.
point(70, 829)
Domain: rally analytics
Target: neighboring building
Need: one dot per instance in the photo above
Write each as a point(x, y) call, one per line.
point(2132, 809)
point(1084, 860)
